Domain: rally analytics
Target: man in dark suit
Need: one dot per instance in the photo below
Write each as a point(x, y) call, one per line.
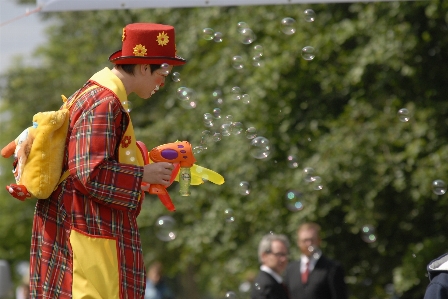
point(273, 252)
point(314, 276)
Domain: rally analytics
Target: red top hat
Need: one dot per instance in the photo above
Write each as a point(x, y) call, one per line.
point(147, 43)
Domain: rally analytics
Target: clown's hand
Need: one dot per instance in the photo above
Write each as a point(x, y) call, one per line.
point(199, 174)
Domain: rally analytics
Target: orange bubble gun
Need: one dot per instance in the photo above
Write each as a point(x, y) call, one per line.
point(181, 154)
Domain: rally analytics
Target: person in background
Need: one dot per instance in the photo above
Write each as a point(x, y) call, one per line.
point(156, 287)
point(438, 277)
point(314, 276)
point(273, 252)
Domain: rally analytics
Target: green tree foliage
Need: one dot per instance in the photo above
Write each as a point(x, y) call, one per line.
point(335, 115)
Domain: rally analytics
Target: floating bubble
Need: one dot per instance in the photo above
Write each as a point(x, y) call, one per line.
point(251, 133)
point(316, 180)
point(231, 295)
point(217, 37)
point(244, 188)
point(292, 162)
point(245, 98)
point(208, 119)
point(228, 214)
point(404, 115)
point(258, 50)
point(368, 234)
point(217, 96)
point(229, 119)
point(244, 287)
point(257, 61)
point(175, 77)
point(166, 228)
point(217, 137)
point(288, 26)
point(308, 171)
point(198, 149)
point(310, 15)
point(438, 187)
point(247, 36)
point(236, 90)
point(208, 33)
point(308, 53)
point(294, 200)
point(260, 147)
point(242, 25)
point(206, 136)
point(315, 251)
point(226, 129)
point(257, 286)
point(127, 105)
point(165, 69)
point(217, 113)
point(236, 128)
point(237, 62)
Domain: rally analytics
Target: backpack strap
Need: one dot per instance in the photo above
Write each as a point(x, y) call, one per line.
point(68, 106)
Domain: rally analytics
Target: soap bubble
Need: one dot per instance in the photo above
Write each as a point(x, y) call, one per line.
point(198, 149)
point(127, 105)
point(292, 162)
point(242, 25)
point(206, 136)
point(228, 214)
point(225, 129)
point(217, 37)
point(187, 97)
point(165, 69)
point(308, 53)
point(258, 50)
point(236, 128)
point(245, 98)
point(166, 228)
point(403, 115)
point(217, 137)
point(237, 62)
point(244, 188)
point(208, 33)
point(316, 180)
point(257, 61)
point(175, 77)
point(217, 96)
point(260, 147)
point(308, 171)
point(288, 26)
point(310, 15)
point(217, 113)
point(231, 295)
point(439, 187)
point(247, 36)
point(294, 201)
point(251, 133)
point(208, 120)
point(368, 234)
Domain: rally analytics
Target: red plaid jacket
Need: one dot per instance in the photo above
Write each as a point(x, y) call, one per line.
point(99, 200)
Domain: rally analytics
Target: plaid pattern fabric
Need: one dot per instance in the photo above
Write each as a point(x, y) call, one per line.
point(99, 198)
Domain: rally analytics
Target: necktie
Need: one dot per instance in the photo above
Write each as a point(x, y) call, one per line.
point(306, 273)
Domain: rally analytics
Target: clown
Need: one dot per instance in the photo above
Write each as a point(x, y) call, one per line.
point(85, 239)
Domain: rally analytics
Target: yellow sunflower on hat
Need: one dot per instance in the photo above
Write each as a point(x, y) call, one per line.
point(163, 39)
point(139, 50)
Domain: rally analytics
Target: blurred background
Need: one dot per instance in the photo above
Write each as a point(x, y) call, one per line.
point(333, 113)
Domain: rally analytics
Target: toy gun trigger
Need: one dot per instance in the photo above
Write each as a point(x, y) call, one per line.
point(161, 192)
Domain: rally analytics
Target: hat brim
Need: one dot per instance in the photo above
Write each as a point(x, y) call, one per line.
point(118, 59)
